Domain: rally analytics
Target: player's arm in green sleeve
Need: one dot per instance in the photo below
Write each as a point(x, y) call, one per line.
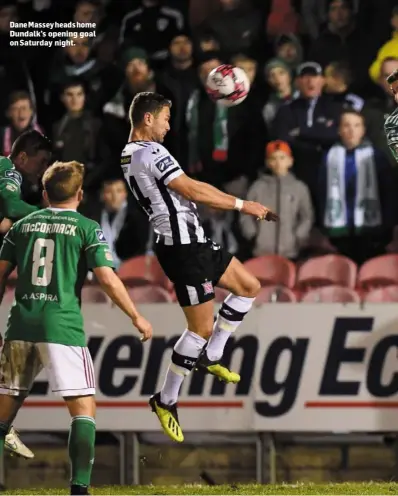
point(13, 207)
point(7, 260)
point(99, 259)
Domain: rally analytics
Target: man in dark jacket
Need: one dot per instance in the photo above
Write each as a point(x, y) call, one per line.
point(343, 40)
point(308, 123)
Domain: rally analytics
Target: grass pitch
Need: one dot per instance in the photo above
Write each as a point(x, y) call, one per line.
point(376, 488)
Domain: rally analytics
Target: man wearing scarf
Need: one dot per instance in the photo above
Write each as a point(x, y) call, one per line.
point(356, 195)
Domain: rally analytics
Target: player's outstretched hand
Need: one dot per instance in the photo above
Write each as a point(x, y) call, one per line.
point(144, 327)
point(259, 211)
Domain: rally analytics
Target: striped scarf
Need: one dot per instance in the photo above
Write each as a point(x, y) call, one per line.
point(367, 211)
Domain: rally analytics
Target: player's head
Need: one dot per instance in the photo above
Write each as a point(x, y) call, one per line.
point(392, 81)
point(63, 184)
point(31, 153)
point(150, 115)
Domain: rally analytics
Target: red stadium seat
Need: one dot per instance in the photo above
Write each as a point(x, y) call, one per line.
point(272, 269)
point(94, 294)
point(276, 294)
point(142, 270)
point(379, 295)
point(378, 272)
point(149, 294)
point(326, 270)
point(331, 294)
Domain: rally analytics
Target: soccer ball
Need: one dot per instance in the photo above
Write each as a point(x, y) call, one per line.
point(228, 84)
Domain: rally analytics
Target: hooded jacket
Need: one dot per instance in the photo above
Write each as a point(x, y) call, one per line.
point(290, 198)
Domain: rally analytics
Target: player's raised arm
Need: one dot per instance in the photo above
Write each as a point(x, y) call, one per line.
point(117, 292)
point(200, 192)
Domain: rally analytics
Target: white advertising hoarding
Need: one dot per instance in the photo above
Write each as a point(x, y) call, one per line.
point(312, 368)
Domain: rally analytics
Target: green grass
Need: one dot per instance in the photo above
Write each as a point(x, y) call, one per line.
point(376, 488)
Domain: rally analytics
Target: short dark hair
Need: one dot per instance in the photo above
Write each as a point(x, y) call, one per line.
point(342, 69)
point(31, 142)
point(72, 83)
point(351, 111)
point(392, 77)
point(17, 96)
point(146, 102)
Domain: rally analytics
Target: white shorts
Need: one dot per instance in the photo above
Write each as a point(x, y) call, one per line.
point(69, 369)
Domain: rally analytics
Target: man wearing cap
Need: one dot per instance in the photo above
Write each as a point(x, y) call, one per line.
point(308, 123)
point(343, 40)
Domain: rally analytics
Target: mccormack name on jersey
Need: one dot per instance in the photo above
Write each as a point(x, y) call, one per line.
point(148, 168)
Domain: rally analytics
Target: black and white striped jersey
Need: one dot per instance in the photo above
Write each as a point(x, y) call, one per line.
point(148, 168)
point(391, 130)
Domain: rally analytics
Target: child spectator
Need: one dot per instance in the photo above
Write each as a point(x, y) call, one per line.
point(279, 78)
point(285, 195)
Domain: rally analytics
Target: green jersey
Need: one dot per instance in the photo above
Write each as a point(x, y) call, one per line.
point(391, 131)
point(11, 205)
point(52, 249)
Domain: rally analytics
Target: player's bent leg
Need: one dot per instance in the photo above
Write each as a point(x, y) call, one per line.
point(81, 442)
point(70, 372)
point(19, 366)
point(244, 288)
point(200, 320)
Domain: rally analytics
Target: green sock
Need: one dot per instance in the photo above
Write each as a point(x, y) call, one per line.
point(81, 446)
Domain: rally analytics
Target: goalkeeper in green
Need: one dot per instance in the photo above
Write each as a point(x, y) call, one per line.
point(30, 156)
point(53, 249)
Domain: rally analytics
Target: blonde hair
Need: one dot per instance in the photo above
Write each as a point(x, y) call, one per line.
point(62, 180)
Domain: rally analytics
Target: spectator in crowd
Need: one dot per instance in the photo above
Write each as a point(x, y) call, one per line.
point(78, 135)
point(279, 79)
point(152, 27)
point(218, 138)
point(314, 14)
point(356, 196)
point(282, 18)
point(206, 42)
point(125, 228)
point(180, 78)
point(287, 196)
point(21, 117)
point(338, 78)
point(343, 40)
point(101, 80)
point(288, 48)
point(138, 76)
point(389, 49)
point(248, 64)
point(14, 72)
point(237, 27)
point(308, 123)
